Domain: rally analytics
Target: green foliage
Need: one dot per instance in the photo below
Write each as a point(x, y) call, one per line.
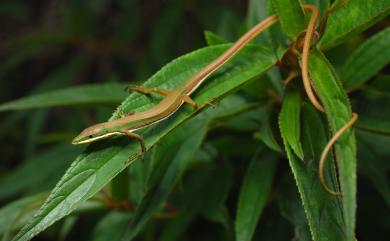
point(253, 194)
point(109, 93)
point(244, 167)
point(367, 60)
point(291, 18)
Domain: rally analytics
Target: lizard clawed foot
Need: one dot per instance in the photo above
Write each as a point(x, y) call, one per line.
point(136, 88)
point(207, 103)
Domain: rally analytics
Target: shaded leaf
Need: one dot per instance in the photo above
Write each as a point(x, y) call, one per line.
point(253, 194)
point(338, 112)
point(109, 93)
point(323, 211)
point(258, 10)
point(213, 38)
point(111, 227)
point(374, 110)
point(353, 17)
point(266, 133)
point(172, 160)
point(165, 31)
point(67, 226)
point(291, 208)
point(291, 16)
point(373, 156)
point(290, 122)
point(214, 208)
point(191, 203)
point(367, 60)
point(16, 214)
point(28, 179)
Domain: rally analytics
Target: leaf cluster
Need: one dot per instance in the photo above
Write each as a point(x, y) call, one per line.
point(244, 168)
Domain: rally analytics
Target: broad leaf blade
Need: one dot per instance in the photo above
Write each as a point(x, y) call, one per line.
point(172, 158)
point(253, 194)
point(291, 207)
point(178, 148)
point(290, 122)
point(367, 60)
point(110, 93)
point(323, 211)
point(191, 202)
point(353, 17)
point(373, 151)
point(213, 38)
point(338, 112)
point(102, 161)
point(373, 107)
point(26, 178)
point(16, 214)
point(266, 132)
point(111, 226)
point(291, 16)
point(258, 10)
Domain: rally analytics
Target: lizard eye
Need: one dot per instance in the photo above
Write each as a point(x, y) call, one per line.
point(90, 136)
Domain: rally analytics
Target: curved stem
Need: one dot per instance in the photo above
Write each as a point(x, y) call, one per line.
point(305, 56)
point(326, 151)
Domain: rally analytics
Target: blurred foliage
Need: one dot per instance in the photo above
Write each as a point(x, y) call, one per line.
point(245, 169)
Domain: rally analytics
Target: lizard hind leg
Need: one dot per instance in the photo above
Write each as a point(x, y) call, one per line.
point(139, 138)
point(143, 90)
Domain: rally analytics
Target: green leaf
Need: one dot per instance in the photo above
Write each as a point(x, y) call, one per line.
point(258, 10)
point(165, 31)
point(254, 194)
point(16, 214)
point(291, 208)
point(111, 226)
point(172, 160)
point(374, 152)
point(352, 18)
point(266, 132)
point(367, 60)
point(290, 122)
point(214, 208)
point(191, 202)
point(213, 38)
point(381, 83)
point(291, 16)
point(26, 178)
point(137, 178)
point(338, 112)
point(35, 124)
point(66, 228)
point(120, 186)
point(374, 110)
point(323, 211)
point(104, 160)
point(108, 93)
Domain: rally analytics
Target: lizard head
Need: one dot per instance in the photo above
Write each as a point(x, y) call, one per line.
point(92, 133)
